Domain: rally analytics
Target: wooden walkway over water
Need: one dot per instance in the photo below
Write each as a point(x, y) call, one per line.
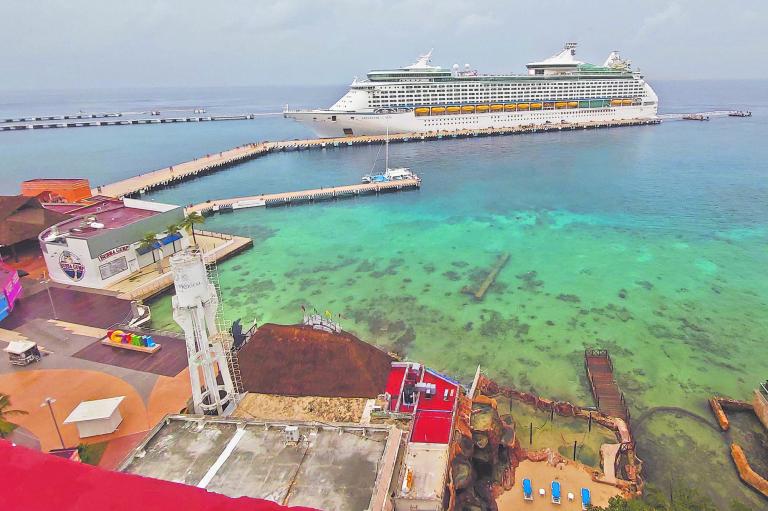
point(175, 174)
point(302, 196)
point(609, 399)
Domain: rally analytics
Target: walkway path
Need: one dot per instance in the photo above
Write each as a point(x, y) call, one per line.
point(304, 195)
point(608, 397)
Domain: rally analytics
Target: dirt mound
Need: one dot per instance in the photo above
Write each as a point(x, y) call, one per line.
point(294, 360)
point(323, 409)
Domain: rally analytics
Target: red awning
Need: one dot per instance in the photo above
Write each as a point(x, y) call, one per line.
point(36, 481)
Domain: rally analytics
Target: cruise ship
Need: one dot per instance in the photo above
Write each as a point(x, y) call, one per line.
point(426, 98)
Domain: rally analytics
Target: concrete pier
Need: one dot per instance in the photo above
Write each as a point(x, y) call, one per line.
point(84, 121)
point(317, 194)
point(175, 174)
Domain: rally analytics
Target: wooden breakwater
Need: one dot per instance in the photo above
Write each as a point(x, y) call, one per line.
point(175, 174)
point(302, 196)
point(479, 293)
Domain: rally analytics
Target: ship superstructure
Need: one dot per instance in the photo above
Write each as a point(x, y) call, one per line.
point(426, 98)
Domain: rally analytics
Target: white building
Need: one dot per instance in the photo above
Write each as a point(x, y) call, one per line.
point(100, 245)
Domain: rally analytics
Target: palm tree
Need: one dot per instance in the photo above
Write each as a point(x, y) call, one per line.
point(173, 228)
point(149, 241)
point(189, 223)
point(6, 426)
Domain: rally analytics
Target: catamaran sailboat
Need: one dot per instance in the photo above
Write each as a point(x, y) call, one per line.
point(396, 174)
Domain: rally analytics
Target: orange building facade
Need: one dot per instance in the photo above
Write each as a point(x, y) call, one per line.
point(57, 190)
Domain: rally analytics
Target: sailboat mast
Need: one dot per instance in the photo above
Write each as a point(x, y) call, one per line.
point(386, 149)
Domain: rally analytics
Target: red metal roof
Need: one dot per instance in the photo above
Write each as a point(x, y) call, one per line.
point(112, 213)
point(433, 420)
point(433, 416)
point(432, 427)
point(37, 481)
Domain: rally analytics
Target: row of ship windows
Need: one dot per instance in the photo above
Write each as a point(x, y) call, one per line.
point(504, 93)
point(480, 89)
point(538, 84)
point(430, 121)
point(489, 96)
point(527, 91)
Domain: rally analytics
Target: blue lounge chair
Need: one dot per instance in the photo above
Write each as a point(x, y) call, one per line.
point(527, 489)
point(556, 492)
point(586, 499)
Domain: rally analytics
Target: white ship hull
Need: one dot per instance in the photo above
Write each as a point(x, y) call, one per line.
point(330, 124)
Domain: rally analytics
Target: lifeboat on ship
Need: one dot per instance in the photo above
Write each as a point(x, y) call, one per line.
point(626, 102)
point(453, 109)
point(560, 104)
point(481, 109)
point(510, 108)
point(467, 109)
point(522, 106)
point(438, 110)
point(421, 111)
point(573, 104)
point(615, 102)
point(536, 106)
point(497, 108)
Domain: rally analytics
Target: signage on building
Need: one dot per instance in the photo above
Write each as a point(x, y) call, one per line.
point(109, 253)
point(71, 265)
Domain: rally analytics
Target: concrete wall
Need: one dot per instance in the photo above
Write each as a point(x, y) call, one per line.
point(761, 407)
point(99, 426)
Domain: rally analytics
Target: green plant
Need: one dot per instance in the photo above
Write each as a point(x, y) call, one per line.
point(91, 453)
point(189, 223)
point(6, 426)
point(149, 241)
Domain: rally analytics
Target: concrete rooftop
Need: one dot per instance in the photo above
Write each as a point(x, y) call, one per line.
point(332, 467)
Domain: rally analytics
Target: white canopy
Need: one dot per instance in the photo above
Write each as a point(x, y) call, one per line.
point(19, 347)
point(92, 410)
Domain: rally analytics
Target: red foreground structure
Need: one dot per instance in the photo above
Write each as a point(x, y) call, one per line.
point(37, 481)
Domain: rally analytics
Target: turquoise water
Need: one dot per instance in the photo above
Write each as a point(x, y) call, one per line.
point(619, 239)
point(650, 241)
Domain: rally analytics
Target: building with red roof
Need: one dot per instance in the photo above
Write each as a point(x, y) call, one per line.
point(38, 481)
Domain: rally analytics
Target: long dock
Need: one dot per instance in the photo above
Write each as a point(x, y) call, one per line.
point(169, 176)
point(314, 195)
point(84, 121)
point(608, 398)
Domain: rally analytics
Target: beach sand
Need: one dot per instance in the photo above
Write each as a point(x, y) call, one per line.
point(541, 474)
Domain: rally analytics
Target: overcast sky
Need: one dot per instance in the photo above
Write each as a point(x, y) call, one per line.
point(119, 43)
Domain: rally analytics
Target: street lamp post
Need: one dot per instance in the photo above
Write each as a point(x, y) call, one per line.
point(49, 402)
point(46, 280)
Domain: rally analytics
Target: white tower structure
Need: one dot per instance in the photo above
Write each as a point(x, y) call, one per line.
point(195, 309)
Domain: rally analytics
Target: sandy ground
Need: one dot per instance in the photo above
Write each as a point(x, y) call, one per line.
point(541, 474)
point(324, 409)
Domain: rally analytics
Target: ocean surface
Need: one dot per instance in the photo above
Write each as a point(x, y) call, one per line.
point(649, 241)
